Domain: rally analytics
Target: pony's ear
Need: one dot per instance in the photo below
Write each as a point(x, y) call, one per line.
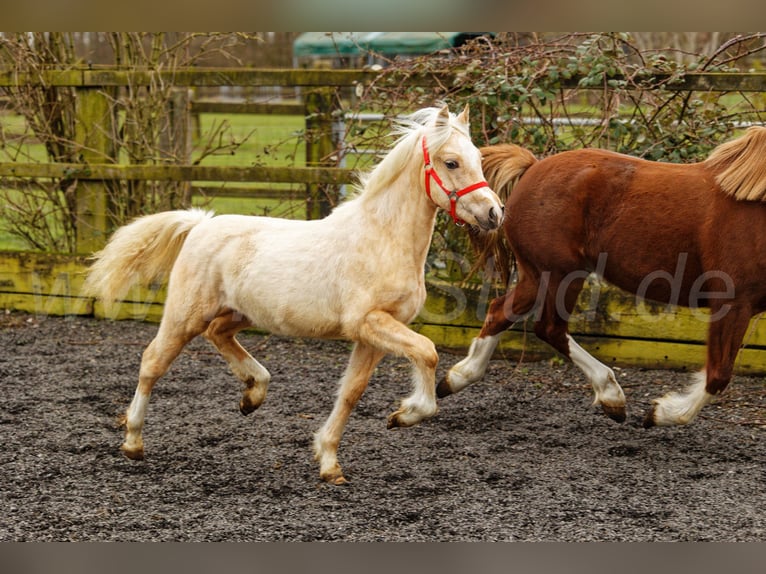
point(442, 118)
point(463, 117)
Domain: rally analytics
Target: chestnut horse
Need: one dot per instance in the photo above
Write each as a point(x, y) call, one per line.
point(357, 274)
point(692, 235)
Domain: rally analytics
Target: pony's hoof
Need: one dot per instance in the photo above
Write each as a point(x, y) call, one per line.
point(649, 421)
point(246, 407)
point(443, 389)
point(393, 422)
point(398, 420)
point(133, 453)
point(336, 479)
point(617, 414)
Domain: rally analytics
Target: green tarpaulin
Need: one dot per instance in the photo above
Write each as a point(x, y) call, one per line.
point(329, 44)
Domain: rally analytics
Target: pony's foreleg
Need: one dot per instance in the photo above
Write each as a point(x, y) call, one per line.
point(221, 332)
point(362, 363)
point(725, 337)
point(385, 333)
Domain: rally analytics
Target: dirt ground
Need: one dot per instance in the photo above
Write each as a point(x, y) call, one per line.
point(523, 456)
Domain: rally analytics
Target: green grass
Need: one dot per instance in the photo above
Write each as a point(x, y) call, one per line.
point(270, 140)
point(244, 139)
point(266, 139)
point(10, 242)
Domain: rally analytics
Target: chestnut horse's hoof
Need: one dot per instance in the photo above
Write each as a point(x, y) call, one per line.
point(617, 414)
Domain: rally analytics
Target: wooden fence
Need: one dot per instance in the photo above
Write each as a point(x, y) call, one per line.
point(609, 323)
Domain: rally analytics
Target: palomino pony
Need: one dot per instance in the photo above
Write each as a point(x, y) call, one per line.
point(692, 235)
point(357, 274)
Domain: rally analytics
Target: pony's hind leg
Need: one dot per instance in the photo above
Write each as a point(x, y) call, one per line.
point(155, 361)
point(725, 337)
point(221, 332)
point(362, 363)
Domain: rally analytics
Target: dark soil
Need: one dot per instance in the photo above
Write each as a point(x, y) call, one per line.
point(521, 456)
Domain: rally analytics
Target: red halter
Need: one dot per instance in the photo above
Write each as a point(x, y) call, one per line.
point(453, 195)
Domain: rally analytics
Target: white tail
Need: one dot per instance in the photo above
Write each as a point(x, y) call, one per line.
point(142, 252)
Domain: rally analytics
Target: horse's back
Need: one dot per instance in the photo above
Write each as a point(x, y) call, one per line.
point(624, 216)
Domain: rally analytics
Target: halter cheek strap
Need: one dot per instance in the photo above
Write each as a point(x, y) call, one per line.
point(430, 173)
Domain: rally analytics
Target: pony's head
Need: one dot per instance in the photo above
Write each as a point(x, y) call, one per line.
point(434, 151)
point(452, 174)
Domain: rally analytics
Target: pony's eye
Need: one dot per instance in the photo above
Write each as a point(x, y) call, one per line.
point(451, 164)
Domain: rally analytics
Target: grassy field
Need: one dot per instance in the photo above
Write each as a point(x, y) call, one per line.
point(241, 139)
point(255, 140)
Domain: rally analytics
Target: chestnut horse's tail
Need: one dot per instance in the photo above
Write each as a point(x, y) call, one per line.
point(740, 167)
point(503, 165)
point(140, 253)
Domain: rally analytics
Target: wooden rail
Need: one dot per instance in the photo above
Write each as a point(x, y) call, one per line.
point(95, 77)
point(102, 171)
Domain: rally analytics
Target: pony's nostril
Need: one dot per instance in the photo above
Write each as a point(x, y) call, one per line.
point(492, 216)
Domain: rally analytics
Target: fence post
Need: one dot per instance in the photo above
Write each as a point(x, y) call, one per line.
point(94, 136)
point(321, 150)
point(176, 142)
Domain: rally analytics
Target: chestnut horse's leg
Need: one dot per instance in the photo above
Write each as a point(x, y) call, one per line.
point(552, 327)
point(503, 312)
point(221, 332)
point(725, 337)
point(362, 363)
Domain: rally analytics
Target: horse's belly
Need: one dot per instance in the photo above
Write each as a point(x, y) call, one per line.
point(671, 281)
point(296, 322)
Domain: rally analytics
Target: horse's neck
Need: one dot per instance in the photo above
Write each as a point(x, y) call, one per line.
point(402, 213)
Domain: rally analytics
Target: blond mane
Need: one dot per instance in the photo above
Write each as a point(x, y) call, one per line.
point(740, 165)
point(409, 131)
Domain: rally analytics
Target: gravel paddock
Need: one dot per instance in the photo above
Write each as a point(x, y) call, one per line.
point(523, 456)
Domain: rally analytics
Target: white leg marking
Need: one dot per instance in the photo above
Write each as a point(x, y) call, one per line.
point(326, 452)
point(680, 408)
point(134, 422)
point(601, 377)
point(420, 404)
point(473, 367)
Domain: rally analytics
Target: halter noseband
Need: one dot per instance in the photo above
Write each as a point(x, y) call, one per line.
point(430, 172)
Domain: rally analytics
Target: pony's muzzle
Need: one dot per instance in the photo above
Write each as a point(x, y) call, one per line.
point(492, 220)
point(495, 218)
